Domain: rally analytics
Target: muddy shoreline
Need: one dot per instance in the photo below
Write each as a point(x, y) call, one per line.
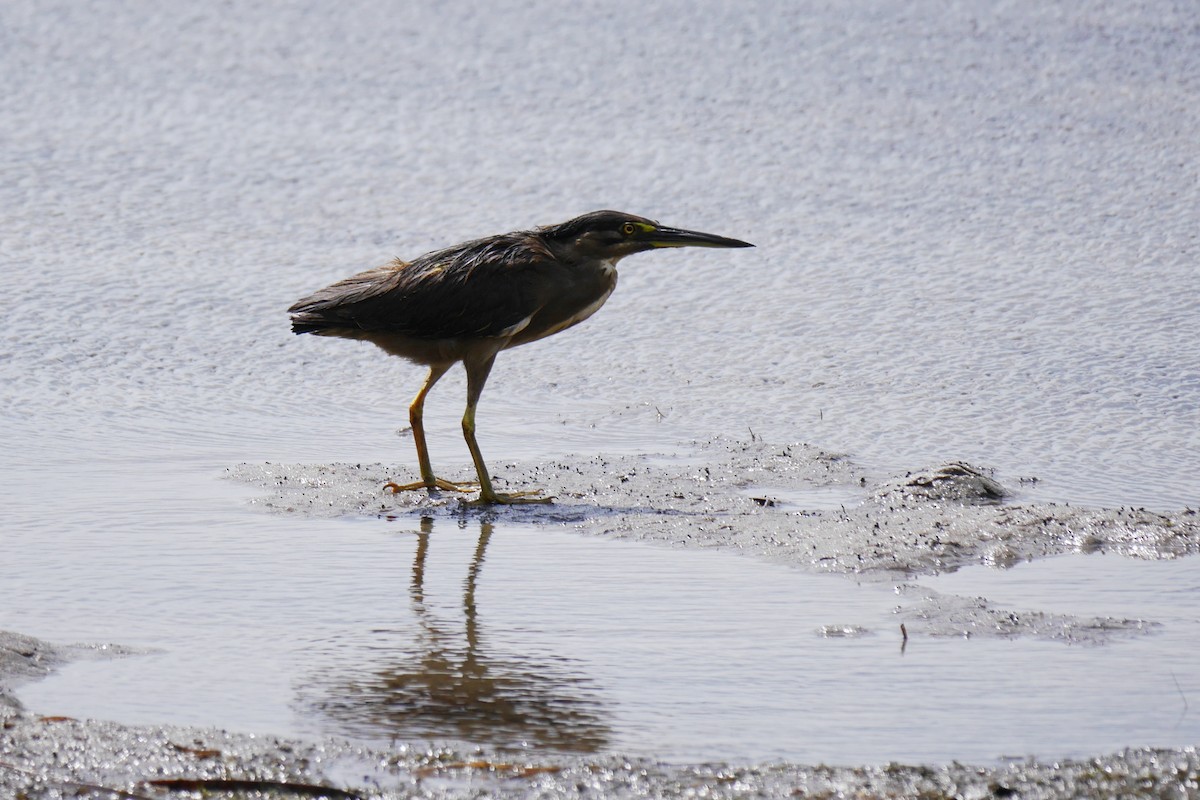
point(749, 497)
point(54, 757)
point(745, 496)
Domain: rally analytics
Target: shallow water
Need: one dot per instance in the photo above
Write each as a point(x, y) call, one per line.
point(976, 240)
point(536, 637)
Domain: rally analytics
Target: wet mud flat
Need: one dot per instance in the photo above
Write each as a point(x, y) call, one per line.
point(52, 757)
point(793, 504)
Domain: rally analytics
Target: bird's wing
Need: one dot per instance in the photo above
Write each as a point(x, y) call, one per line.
point(469, 291)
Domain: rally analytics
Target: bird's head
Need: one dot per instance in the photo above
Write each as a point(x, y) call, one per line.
point(611, 235)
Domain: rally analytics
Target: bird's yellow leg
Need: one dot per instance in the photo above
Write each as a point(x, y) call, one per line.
point(487, 494)
point(416, 417)
point(477, 373)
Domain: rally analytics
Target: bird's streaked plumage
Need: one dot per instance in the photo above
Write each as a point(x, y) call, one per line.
point(470, 301)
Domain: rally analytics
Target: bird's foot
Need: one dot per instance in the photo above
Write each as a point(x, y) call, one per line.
point(437, 483)
point(509, 499)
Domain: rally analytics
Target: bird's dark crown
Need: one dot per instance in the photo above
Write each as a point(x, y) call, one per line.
point(598, 222)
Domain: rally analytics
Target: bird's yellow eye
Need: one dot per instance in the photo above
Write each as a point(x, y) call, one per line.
point(628, 229)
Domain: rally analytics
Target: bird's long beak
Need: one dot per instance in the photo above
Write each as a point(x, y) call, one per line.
point(677, 237)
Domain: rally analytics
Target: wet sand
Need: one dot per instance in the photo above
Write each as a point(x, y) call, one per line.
point(746, 496)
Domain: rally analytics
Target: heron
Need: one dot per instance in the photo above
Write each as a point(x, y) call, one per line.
point(468, 302)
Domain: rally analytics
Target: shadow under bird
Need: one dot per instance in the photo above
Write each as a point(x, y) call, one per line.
point(470, 301)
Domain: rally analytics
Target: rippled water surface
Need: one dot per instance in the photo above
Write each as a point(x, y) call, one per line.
point(976, 233)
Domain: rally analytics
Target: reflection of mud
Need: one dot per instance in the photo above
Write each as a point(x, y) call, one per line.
point(773, 501)
point(24, 658)
point(926, 612)
point(448, 685)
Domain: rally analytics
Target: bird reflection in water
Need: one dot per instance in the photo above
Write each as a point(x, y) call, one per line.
point(451, 686)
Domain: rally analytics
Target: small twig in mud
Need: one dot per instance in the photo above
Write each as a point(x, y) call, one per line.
point(247, 785)
point(198, 752)
point(1179, 689)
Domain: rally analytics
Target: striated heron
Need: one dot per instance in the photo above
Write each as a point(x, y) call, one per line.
point(470, 301)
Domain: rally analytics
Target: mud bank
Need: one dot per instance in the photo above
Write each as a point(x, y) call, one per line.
point(793, 504)
point(55, 757)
